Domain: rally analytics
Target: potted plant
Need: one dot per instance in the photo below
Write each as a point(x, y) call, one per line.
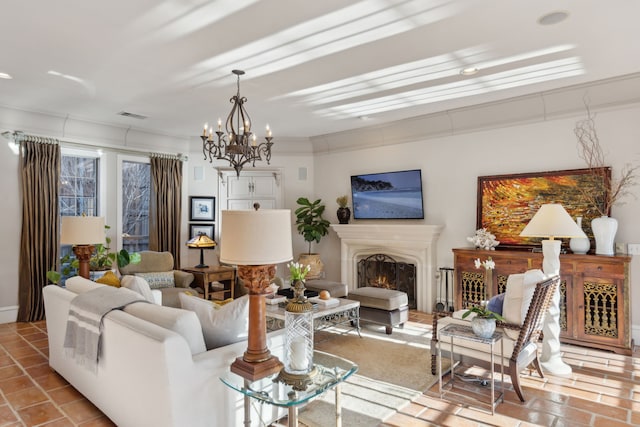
point(343, 214)
point(101, 260)
point(312, 226)
point(484, 323)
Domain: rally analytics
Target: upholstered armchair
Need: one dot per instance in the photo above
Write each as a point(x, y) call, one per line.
point(157, 269)
point(524, 310)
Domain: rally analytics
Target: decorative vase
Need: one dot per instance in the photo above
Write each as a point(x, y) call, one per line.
point(313, 261)
point(604, 231)
point(579, 245)
point(483, 327)
point(344, 214)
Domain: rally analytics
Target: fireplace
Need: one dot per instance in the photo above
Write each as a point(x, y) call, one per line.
point(414, 244)
point(383, 271)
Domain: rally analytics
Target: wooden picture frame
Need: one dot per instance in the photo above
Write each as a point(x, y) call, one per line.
point(506, 203)
point(202, 208)
point(196, 229)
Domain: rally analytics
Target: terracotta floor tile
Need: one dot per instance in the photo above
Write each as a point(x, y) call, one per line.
point(5, 360)
point(51, 381)
point(39, 370)
point(23, 351)
point(32, 360)
point(36, 335)
point(6, 415)
point(10, 371)
point(401, 420)
point(81, 411)
point(599, 408)
point(15, 384)
point(561, 410)
point(39, 414)
point(27, 397)
point(98, 422)
point(65, 395)
point(62, 422)
point(607, 422)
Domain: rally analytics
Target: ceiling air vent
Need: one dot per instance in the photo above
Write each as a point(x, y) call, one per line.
point(132, 115)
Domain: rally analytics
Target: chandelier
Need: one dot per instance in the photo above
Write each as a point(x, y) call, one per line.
point(238, 144)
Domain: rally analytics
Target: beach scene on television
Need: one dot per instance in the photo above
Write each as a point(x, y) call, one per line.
point(388, 195)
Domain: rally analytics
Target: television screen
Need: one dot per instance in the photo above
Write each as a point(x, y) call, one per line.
point(389, 195)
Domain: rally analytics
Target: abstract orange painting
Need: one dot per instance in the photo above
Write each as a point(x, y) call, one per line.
point(506, 203)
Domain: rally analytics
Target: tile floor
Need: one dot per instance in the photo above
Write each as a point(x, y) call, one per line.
point(603, 391)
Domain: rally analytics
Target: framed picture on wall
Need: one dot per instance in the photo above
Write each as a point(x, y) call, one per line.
point(197, 229)
point(202, 208)
point(506, 203)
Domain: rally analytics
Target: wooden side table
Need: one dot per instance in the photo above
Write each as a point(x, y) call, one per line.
point(204, 277)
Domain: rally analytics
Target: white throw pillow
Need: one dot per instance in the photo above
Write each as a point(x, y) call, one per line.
point(139, 285)
point(221, 324)
point(517, 298)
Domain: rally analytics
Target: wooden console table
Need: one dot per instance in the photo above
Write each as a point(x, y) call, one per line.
point(205, 277)
point(594, 289)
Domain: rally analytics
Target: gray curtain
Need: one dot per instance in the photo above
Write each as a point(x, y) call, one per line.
point(165, 205)
point(39, 242)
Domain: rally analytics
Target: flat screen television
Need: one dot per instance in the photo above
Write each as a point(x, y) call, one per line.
point(388, 195)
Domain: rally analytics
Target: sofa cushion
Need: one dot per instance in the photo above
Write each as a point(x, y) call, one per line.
point(221, 324)
point(158, 280)
point(80, 285)
point(109, 278)
point(182, 322)
point(139, 285)
point(517, 298)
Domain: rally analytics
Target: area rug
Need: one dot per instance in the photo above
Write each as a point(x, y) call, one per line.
point(392, 371)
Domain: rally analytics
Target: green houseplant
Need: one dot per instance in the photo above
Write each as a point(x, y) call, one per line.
point(101, 260)
point(484, 323)
point(312, 226)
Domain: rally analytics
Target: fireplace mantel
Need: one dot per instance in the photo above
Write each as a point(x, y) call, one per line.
point(415, 242)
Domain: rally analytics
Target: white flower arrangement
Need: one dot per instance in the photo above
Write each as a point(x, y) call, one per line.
point(488, 264)
point(298, 271)
point(484, 239)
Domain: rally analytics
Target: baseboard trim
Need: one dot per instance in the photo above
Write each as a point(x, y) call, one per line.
point(8, 314)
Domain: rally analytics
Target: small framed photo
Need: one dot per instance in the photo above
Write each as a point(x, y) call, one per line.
point(202, 208)
point(197, 229)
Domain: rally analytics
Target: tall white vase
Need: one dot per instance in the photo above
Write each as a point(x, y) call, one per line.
point(604, 230)
point(579, 245)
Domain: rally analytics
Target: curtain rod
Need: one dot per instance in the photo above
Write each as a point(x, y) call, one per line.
point(18, 136)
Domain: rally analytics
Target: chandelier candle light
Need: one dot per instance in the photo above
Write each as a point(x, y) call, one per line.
point(238, 144)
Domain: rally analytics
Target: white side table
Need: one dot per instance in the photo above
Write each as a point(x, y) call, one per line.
point(462, 333)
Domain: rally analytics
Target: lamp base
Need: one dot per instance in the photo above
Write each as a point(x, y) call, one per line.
point(253, 371)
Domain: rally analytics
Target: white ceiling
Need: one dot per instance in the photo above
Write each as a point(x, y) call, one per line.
point(312, 67)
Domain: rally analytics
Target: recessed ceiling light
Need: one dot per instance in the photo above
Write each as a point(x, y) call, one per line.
point(553, 18)
point(5, 76)
point(469, 71)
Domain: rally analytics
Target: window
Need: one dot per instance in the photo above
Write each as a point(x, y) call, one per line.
point(78, 185)
point(78, 189)
point(135, 189)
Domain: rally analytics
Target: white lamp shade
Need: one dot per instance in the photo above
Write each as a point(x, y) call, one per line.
point(250, 237)
point(82, 230)
point(552, 220)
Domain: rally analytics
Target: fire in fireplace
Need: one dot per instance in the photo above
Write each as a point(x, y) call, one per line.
point(383, 271)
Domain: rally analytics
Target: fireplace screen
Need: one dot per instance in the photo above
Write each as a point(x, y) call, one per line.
point(382, 271)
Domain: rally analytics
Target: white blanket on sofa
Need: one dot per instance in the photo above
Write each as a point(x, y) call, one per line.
point(84, 324)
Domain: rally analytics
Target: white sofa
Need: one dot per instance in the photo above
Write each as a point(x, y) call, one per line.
point(147, 374)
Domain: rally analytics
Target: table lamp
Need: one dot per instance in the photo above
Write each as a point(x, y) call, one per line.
point(551, 221)
point(202, 242)
point(255, 241)
point(82, 232)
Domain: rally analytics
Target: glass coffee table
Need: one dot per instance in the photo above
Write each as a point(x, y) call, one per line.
point(346, 312)
point(330, 372)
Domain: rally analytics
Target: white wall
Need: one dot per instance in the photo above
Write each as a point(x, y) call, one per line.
point(450, 167)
